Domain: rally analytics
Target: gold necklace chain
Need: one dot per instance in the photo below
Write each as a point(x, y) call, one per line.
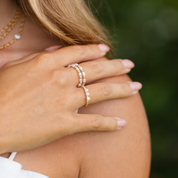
point(11, 25)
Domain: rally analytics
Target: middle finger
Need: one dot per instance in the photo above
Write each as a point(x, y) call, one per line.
point(95, 70)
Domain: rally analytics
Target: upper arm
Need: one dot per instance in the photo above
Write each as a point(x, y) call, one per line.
point(124, 153)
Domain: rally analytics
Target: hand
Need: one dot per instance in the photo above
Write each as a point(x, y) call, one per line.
point(39, 97)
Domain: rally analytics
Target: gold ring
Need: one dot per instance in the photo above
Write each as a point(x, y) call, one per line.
point(87, 98)
point(75, 66)
point(83, 75)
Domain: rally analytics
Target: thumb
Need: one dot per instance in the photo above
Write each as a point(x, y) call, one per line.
point(93, 122)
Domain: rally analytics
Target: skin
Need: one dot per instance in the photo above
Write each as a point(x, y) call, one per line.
point(124, 153)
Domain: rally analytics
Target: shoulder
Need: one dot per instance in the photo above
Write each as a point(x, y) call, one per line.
point(127, 149)
point(124, 153)
point(124, 107)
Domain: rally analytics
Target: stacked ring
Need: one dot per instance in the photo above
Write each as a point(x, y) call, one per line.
point(75, 66)
point(86, 95)
point(81, 73)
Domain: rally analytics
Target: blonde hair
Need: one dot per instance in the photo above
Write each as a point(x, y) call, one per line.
point(69, 20)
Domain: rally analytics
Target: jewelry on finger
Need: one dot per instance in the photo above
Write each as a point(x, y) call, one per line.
point(75, 66)
point(87, 98)
point(82, 75)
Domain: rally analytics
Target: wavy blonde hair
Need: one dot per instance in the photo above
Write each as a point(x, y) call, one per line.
point(69, 20)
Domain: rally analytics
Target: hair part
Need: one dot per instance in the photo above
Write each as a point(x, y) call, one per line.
point(69, 20)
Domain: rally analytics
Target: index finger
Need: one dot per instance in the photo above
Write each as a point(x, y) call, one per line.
point(79, 53)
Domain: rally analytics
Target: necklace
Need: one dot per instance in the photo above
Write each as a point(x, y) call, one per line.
point(8, 28)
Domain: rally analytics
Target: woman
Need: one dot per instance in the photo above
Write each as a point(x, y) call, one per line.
point(87, 154)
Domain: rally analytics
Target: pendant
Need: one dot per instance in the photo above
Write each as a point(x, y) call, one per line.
point(17, 36)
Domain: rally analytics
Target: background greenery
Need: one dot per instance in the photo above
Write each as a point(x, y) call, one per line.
point(146, 31)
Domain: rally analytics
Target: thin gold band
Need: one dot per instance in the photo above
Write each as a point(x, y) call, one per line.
point(87, 98)
point(81, 74)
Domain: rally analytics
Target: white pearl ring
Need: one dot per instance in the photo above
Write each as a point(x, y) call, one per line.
point(82, 80)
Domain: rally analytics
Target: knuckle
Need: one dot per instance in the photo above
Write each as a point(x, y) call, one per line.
point(117, 64)
point(45, 56)
point(105, 59)
point(106, 89)
point(45, 59)
point(78, 50)
point(96, 67)
point(60, 76)
point(97, 122)
point(102, 59)
point(126, 89)
point(94, 47)
point(110, 124)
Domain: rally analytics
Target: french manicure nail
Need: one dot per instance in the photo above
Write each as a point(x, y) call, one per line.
point(104, 47)
point(52, 48)
point(128, 64)
point(135, 86)
point(121, 122)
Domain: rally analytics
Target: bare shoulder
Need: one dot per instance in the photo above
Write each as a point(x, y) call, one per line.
point(124, 153)
point(121, 154)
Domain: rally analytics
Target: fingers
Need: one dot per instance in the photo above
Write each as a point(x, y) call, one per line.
point(79, 53)
point(95, 70)
point(106, 91)
point(69, 55)
point(93, 122)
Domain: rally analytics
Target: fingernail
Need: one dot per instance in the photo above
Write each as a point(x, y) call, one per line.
point(121, 123)
point(128, 64)
point(104, 47)
point(135, 86)
point(52, 48)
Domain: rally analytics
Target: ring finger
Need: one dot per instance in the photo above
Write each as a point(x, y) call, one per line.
point(106, 91)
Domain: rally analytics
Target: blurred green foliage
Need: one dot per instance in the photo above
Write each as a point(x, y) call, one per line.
point(146, 31)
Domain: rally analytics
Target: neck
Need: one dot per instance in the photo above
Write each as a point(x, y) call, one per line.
point(8, 9)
